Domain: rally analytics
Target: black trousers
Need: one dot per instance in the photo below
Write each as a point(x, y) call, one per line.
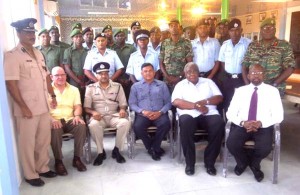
point(263, 145)
point(141, 124)
point(214, 125)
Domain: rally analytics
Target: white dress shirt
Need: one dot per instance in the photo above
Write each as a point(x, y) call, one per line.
point(204, 89)
point(110, 56)
point(157, 49)
point(233, 55)
point(136, 61)
point(206, 54)
point(269, 105)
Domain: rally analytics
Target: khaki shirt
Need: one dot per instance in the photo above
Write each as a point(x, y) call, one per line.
point(31, 76)
point(105, 101)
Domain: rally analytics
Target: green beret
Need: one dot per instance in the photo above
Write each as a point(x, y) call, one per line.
point(43, 30)
point(77, 26)
point(107, 27)
point(268, 21)
point(53, 28)
point(75, 32)
point(119, 31)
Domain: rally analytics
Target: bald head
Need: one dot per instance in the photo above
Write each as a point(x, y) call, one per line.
point(57, 69)
point(58, 76)
point(256, 74)
point(191, 72)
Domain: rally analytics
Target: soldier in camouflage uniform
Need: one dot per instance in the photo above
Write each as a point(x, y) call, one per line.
point(51, 53)
point(275, 55)
point(175, 52)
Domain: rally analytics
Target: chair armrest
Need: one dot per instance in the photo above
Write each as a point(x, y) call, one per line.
point(170, 115)
point(277, 133)
point(227, 129)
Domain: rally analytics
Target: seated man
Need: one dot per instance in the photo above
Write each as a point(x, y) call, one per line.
point(253, 110)
point(66, 118)
point(196, 100)
point(105, 101)
point(150, 100)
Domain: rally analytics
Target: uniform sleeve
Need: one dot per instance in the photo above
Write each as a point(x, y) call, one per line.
point(288, 57)
point(189, 49)
point(67, 56)
point(217, 49)
point(88, 62)
point(88, 97)
point(121, 97)
point(156, 62)
point(118, 62)
point(221, 53)
point(162, 51)
point(11, 67)
point(247, 58)
point(129, 69)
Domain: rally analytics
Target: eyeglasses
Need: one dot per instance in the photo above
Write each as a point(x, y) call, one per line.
point(59, 75)
point(268, 28)
point(256, 73)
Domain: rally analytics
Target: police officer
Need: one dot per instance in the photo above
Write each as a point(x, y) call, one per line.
point(275, 55)
point(106, 103)
point(51, 53)
point(155, 36)
point(28, 82)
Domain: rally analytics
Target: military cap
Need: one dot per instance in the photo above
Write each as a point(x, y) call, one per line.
point(87, 29)
point(202, 21)
point(101, 67)
point(164, 27)
point(75, 32)
point(224, 22)
point(155, 29)
point(107, 27)
point(42, 31)
point(26, 24)
point(100, 35)
point(268, 21)
point(53, 28)
point(77, 26)
point(142, 33)
point(135, 23)
point(174, 21)
point(188, 28)
point(119, 31)
point(234, 23)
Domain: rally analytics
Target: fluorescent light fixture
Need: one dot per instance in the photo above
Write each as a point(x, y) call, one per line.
point(102, 13)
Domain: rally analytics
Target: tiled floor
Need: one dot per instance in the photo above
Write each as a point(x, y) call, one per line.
point(142, 175)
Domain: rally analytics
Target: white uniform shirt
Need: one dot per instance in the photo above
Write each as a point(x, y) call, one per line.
point(206, 54)
point(136, 61)
point(157, 49)
point(205, 88)
point(110, 56)
point(269, 105)
point(233, 55)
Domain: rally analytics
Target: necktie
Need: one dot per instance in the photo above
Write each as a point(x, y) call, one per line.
point(253, 106)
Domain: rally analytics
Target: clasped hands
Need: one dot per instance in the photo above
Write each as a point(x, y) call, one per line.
point(252, 126)
point(97, 116)
point(151, 115)
point(201, 106)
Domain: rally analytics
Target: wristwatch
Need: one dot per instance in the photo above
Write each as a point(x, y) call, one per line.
point(242, 123)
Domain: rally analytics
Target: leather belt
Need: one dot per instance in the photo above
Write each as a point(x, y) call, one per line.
point(204, 74)
point(234, 76)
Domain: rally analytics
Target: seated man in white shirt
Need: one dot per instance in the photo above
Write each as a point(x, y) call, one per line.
point(257, 125)
point(196, 100)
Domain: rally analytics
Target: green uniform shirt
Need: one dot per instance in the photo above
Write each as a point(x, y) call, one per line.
point(275, 58)
point(174, 55)
point(52, 56)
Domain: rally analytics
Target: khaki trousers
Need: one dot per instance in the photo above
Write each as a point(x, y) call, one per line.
point(79, 133)
point(97, 130)
point(33, 143)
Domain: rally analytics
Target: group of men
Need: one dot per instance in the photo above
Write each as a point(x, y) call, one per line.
point(106, 81)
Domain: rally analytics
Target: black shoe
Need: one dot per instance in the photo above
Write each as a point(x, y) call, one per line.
point(190, 170)
point(211, 170)
point(238, 170)
point(104, 154)
point(49, 174)
point(161, 152)
point(155, 156)
point(258, 174)
point(116, 154)
point(35, 182)
point(99, 159)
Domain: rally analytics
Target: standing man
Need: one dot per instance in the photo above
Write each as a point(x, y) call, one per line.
point(107, 30)
point(54, 34)
point(124, 51)
point(196, 99)
point(51, 53)
point(135, 26)
point(141, 56)
point(189, 32)
point(28, 82)
point(165, 33)
point(88, 37)
point(155, 36)
point(206, 51)
point(105, 101)
point(175, 52)
point(150, 100)
point(253, 118)
point(275, 55)
point(231, 55)
point(66, 118)
point(222, 28)
point(103, 54)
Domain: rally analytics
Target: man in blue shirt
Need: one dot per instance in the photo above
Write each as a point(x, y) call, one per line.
point(150, 100)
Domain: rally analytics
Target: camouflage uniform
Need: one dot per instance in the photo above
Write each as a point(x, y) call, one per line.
point(52, 56)
point(274, 58)
point(174, 55)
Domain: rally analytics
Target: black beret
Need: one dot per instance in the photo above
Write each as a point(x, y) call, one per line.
point(202, 21)
point(119, 31)
point(26, 24)
point(234, 23)
point(101, 67)
point(100, 35)
point(174, 21)
point(155, 29)
point(142, 33)
point(224, 22)
point(135, 23)
point(107, 27)
point(87, 29)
